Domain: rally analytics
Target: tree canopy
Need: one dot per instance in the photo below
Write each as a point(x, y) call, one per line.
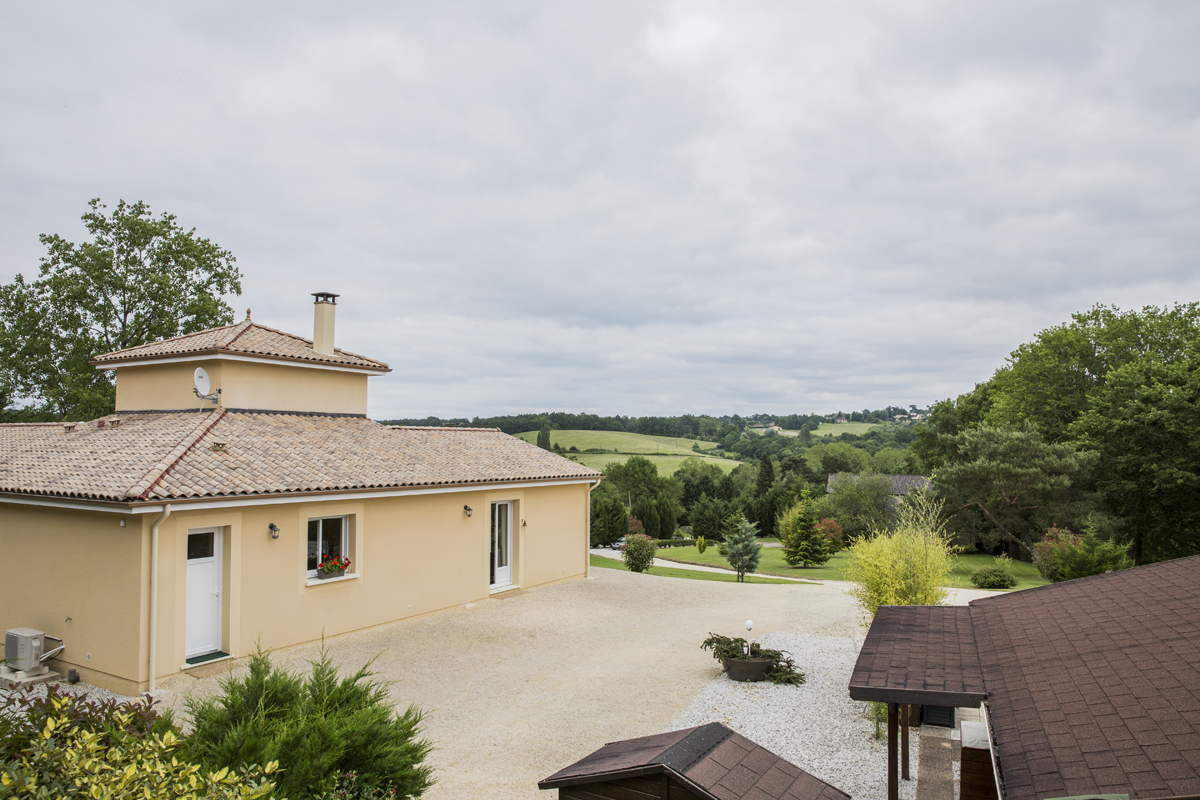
point(140, 279)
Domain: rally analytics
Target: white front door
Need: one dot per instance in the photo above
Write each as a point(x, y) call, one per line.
point(501, 544)
point(203, 633)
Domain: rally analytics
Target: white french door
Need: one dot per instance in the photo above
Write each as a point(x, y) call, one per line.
point(203, 632)
point(501, 568)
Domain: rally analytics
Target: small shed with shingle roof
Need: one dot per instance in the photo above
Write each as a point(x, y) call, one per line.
point(1089, 687)
point(194, 521)
point(710, 762)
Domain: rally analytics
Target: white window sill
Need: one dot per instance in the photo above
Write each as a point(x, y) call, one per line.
point(349, 576)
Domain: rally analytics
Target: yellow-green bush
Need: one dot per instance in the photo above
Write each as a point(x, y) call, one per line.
point(906, 566)
point(65, 760)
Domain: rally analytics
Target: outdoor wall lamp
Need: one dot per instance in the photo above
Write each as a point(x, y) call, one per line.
point(274, 529)
point(467, 509)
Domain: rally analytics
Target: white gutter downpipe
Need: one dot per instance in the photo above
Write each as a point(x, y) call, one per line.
point(154, 592)
point(588, 550)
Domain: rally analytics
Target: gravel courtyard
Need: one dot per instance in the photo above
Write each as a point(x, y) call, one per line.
point(516, 688)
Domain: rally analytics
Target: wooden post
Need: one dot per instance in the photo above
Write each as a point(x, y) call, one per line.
point(893, 784)
point(904, 718)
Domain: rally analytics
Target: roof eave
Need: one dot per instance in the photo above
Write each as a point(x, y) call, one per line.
point(920, 697)
point(195, 355)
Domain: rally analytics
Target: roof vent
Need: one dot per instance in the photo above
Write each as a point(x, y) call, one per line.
point(218, 447)
point(69, 426)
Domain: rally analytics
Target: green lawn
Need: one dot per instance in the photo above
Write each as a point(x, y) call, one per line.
point(620, 442)
point(837, 429)
point(771, 562)
point(690, 574)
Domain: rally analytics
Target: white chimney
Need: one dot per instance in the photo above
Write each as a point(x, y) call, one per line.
point(323, 313)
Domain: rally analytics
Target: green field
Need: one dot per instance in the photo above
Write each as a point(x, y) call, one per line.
point(690, 574)
point(836, 429)
point(666, 464)
point(620, 441)
point(666, 452)
point(771, 562)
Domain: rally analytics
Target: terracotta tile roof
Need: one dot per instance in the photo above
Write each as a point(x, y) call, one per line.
point(154, 456)
point(718, 762)
point(1093, 685)
point(926, 653)
point(245, 338)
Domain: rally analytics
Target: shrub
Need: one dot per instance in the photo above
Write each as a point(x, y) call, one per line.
point(833, 532)
point(317, 728)
point(639, 552)
point(803, 544)
point(995, 576)
point(1064, 556)
point(80, 748)
point(1093, 556)
point(24, 715)
point(1049, 552)
point(742, 547)
point(636, 528)
point(783, 671)
point(906, 567)
point(701, 545)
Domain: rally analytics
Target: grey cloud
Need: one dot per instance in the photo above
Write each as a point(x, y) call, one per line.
point(630, 207)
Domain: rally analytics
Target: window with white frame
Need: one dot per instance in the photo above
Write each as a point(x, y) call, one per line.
point(327, 536)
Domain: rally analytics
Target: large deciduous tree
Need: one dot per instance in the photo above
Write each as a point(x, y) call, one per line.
point(1145, 426)
point(140, 279)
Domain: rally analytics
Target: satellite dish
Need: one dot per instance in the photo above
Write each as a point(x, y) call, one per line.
point(202, 383)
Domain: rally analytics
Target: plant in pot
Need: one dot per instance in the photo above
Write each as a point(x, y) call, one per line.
point(753, 662)
point(332, 567)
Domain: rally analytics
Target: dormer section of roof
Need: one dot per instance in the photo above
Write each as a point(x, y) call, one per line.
point(248, 366)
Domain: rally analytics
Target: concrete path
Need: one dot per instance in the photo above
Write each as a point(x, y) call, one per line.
point(605, 552)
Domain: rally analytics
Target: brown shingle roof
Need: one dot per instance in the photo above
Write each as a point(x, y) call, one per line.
point(154, 456)
point(720, 763)
point(245, 338)
point(924, 653)
point(1093, 685)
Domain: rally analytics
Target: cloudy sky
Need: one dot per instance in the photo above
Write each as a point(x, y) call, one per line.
point(633, 207)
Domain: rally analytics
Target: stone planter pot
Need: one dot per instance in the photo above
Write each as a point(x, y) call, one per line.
point(755, 669)
point(324, 576)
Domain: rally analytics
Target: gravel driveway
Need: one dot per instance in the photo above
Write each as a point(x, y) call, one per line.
point(515, 689)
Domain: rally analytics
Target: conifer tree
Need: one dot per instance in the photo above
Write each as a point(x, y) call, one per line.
point(742, 545)
point(766, 477)
point(804, 544)
point(543, 439)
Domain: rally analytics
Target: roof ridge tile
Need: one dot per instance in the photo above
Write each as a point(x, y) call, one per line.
point(141, 490)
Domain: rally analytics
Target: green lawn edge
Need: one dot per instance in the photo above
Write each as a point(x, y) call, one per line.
point(771, 562)
point(690, 574)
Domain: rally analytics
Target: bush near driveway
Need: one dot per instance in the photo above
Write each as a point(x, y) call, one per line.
point(66, 746)
point(906, 567)
point(639, 552)
point(318, 728)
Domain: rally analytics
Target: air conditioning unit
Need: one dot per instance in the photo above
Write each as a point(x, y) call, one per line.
point(24, 656)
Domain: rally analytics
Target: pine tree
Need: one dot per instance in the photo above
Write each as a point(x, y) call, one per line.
point(543, 439)
point(743, 548)
point(766, 477)
point(803, 542)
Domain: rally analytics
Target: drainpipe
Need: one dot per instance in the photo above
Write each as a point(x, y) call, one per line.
point(588, 550)
point(154, 592)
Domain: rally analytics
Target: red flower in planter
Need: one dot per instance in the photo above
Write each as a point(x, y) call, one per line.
point(333, 564)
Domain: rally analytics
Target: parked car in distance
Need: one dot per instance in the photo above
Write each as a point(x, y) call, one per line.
point(619, 544)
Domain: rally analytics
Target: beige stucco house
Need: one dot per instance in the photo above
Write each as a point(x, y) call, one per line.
point(183, 528)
